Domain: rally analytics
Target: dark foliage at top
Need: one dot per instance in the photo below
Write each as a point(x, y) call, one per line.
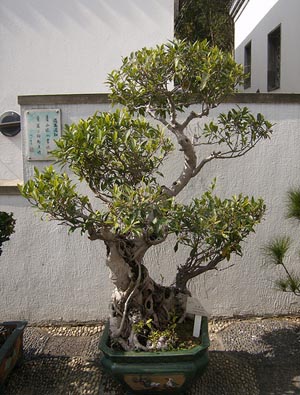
point(205, 19)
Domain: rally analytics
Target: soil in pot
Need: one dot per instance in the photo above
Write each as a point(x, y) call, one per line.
point(161, 372)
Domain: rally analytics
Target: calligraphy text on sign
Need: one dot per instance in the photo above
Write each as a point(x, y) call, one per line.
point(43, 127)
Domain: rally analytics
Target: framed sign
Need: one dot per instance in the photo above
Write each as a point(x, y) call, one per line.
point(42, 126)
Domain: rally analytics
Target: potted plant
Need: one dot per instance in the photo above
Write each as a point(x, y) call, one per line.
point(11, 333)
point(120, 156)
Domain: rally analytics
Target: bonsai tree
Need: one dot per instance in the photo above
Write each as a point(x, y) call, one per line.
point(7, 226)
point(120, 156)
point(277, 249)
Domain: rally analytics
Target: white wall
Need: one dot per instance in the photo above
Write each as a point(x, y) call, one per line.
point(257, 20)
point(69, 46)
point(50, 47)
point(250, 17)
point(46, 274)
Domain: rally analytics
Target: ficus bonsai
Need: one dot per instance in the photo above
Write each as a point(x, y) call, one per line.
point(120, 156)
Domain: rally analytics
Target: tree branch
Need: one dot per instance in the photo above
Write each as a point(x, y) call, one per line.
point(190, 161)
point(193, 115)
point(213, 155)
point(183, 275)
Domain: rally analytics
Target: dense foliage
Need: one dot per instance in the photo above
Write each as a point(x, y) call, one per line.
point(7, 226)
point(120, 155)
point(205, 19)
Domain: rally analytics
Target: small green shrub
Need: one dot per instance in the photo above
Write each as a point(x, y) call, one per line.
point(7, 227)
point(276, 250)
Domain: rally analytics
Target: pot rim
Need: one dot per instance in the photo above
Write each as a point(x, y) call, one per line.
point(205, 343)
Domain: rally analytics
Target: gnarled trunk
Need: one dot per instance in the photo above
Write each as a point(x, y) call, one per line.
point(137, 298)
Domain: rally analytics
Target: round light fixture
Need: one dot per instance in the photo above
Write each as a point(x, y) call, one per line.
point(10, 124)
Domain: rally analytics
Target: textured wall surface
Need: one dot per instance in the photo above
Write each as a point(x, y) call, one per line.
point(46, 274)
point(258, 19)
point(69, 47)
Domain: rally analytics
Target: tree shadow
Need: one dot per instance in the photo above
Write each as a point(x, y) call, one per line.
point(256, 360)
point(275, 360)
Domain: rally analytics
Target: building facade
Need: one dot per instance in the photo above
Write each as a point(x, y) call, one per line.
point(265, 36)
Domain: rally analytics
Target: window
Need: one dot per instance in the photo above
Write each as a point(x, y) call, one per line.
point(247, 65)
point(274, 39)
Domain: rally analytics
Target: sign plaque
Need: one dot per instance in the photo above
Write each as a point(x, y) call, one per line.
point(193, 306)
point(43, 126)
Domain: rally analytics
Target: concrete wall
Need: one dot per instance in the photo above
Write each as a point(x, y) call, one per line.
point(46, 274)
point(69, 46)
point(50, 47)
point(250, 15)
point(254, 24)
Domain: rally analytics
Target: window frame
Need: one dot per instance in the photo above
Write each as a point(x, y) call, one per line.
point(274, 59)
point(247, 64)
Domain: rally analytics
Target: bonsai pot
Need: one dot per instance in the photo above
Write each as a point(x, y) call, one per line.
point(11, 346)
point(156, 372)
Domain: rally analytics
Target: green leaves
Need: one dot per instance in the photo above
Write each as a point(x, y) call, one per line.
point(206, 19)
point(276, 250)
point(293, 204)
point(56, 195)
point(113, 149)
point(276, 253)
point(119, 155)
point(7, 227)
point(289, 284)
point(238, 130)
point(174, 76)
point(211, 226)
point(140, 212)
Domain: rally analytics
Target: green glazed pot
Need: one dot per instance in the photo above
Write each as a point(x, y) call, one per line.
point(156, 372)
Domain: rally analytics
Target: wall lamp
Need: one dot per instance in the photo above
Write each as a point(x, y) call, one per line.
point(10, 123)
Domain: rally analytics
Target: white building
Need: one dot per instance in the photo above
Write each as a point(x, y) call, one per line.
point(266, 34)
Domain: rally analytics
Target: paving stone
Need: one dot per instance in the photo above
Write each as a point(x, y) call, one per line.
point(272, 348)
point(92, 349)
point(34, 342)
point(66, 346)
point(226, 375)
point(55, 376)
point(248, 357)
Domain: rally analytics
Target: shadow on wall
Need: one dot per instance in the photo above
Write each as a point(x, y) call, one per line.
point(69, 46)
point(58, 13)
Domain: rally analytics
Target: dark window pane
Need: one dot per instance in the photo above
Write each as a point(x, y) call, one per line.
point(274, 43)
point(247, 65)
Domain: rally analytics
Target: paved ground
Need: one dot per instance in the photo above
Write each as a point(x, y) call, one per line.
point(253, 356)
